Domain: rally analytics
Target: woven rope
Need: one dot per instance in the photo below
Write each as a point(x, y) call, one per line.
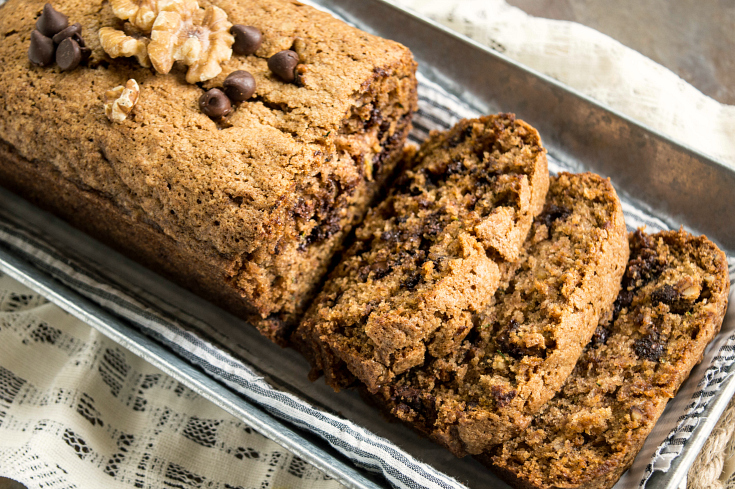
point(707, 470)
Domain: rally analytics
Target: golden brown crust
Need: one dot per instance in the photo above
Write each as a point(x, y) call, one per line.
point(672, 304)
point(264, 199)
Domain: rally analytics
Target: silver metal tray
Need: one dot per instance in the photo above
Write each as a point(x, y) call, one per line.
point(677, 184)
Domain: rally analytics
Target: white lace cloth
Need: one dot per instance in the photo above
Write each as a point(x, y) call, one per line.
point(597, 66)
point(42, 377)
point(78, 411)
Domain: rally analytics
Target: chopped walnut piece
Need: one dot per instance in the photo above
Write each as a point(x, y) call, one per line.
point(141, 13)
point(198, 38)
point(118, 43)
point(119, 101)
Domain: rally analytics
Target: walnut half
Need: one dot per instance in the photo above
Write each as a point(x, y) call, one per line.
point(141, 13)
point(117, 43)
point(199, 38)
point(119, 101)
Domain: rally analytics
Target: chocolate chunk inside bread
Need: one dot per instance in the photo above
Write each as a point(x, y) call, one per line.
point(425, 261)
point(247, 209)
point(524, 345)
point(672, 304)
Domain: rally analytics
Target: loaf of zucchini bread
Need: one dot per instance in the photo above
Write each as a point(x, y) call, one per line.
point(672, 304)
point(230, 145)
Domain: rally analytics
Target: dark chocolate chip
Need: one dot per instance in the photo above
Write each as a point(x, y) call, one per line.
point(247, 39)
point(380, 269)
point(51, 22)
point(284, 64)
point(42, 50)
point(666, 294)
point(433, 225)
point(600, 336)
point(86, 53)
point(391, 236)
point(507, 345)
point(68, 54)
point(72, 30)
point(502, 397)
point(455, 166)
point(669, 296)
point(412, 281)
point(624, 300)
point(79, 40)
point(215, 104)
point(649, 347)
point(239, 85)
point(553, 213)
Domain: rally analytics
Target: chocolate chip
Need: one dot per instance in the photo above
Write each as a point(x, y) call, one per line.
point(284, 64)
point(239, 85)
point(649, 347)
point(412, 281)
point(215, 104)
point(72, 30)
point(68, 54)
point(501, 396)
point(51, 22)
point(42, 49)
point(600, 336)
point(669, 296)
point(247, 39)
point(391, 236)
point(86, 53)
point(380, 269)
point(79, 40)
point(553, 213)
point(624, 300)
point(666, 294)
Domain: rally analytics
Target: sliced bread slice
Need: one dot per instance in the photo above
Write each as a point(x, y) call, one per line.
point(672, 304)
point(524, 346)
point(426, 260)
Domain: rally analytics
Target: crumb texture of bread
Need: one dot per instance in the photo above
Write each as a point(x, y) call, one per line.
point(262, 201)
point(426, 261)
point(525, 344)
point(672, 304)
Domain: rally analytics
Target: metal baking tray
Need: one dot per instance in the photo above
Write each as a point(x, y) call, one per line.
point(674, 183)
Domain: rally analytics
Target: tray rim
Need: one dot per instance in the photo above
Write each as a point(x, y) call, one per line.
point(680, 465)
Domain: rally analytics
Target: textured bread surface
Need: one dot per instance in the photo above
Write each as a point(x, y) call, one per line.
point(524, 345)
point(672, 304)
point(426, 261)
point(262, 202)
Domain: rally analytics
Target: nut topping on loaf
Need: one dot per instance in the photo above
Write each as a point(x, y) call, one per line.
point(672, 304)
point(523, 346)
point(425, 262)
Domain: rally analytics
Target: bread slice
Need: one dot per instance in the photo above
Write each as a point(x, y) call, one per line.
point(672, 304)
point(425, 262)
point(524, 345)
